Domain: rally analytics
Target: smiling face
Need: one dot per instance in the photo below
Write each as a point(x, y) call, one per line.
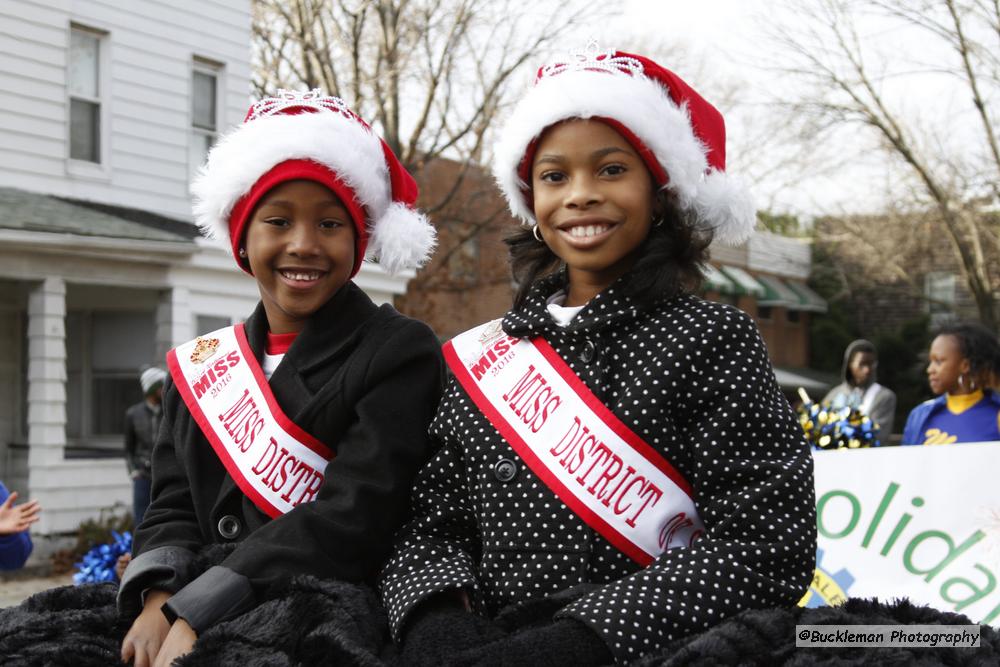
point(593, 200)
point(300, 245)
point(946, 365)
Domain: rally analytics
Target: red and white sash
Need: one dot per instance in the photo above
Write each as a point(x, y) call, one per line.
point(596, 464)
point(273, 461)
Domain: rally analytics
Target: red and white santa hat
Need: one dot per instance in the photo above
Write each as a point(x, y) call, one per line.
point(680, 136)
point(311, 136)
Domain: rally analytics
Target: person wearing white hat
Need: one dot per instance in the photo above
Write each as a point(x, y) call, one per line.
point(616, 466)
point(142, 421)
point(289, 442)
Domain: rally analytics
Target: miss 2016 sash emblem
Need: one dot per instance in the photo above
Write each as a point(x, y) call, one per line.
point(273, 461)
point(596, 464)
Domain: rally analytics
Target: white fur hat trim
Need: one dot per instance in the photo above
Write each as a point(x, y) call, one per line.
point(399, 236)
point(644, 106)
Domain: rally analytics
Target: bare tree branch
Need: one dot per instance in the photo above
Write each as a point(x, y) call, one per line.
point(432, 76)
point(977, 98)
point(833, 55)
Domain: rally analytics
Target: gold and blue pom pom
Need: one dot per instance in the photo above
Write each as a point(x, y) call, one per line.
point(842, 428)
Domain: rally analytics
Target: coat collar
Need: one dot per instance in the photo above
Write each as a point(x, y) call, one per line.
point(612, 307)
point(335, 325)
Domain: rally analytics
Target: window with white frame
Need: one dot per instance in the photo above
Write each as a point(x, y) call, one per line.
point(105, 352)
point(205, 105)
point(85, 94)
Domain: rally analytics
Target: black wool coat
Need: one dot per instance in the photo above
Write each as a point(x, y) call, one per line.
point(691, 378)
point(361, 378)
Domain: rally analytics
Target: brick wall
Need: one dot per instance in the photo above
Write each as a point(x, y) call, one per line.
point(467, 282)
point(878, 298)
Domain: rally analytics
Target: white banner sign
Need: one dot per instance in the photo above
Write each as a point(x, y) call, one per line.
point(916, 522)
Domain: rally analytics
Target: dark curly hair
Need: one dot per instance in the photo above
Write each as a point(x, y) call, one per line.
point(670, 260)
point(980, 346)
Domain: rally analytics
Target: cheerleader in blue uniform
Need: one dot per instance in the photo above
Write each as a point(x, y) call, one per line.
point(964, 366)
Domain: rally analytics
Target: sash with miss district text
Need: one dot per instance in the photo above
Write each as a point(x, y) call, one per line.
point(273, 461)
point(595, 464)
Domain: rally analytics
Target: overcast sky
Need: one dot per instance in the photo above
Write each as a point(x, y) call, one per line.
point(725, 42)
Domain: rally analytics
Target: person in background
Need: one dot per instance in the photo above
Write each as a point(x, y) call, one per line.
point(142, 421)
point(860, 388)
point(964, 364)
point(15, 544)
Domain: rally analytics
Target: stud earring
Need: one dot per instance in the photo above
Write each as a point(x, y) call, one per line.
point(536, 234)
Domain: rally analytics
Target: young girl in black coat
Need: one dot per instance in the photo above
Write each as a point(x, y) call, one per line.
point(291, 439)
point(616, 466)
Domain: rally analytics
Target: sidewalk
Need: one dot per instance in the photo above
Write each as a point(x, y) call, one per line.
point(15, 590)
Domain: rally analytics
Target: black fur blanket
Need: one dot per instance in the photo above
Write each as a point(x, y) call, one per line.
point(314, 623)
point(331, 623)
point(766, 637)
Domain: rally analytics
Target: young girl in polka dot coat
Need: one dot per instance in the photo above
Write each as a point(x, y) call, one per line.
point(617, 168)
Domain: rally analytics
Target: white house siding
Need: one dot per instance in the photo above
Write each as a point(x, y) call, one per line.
point(734, 256)
point(39, 282)
point(146, 65)
point(146, 105)
point(779, 255)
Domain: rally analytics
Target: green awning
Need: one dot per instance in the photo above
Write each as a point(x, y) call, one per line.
point(777, 293)
point(790, 379)
point(809, 299)
point(745, 283)
point(717, 281)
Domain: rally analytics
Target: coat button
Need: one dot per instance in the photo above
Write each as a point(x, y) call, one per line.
point(229, 527)
point(588, 352)
point(505, 470)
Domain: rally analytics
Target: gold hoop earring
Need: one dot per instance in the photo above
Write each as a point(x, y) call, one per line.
point(658, 222)
point(537, 234)
point(961, 381)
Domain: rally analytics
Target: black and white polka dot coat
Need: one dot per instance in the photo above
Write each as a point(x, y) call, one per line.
point(693, 379)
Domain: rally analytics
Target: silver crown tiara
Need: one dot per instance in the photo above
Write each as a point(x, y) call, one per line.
point(593, 58)
point(289, 99)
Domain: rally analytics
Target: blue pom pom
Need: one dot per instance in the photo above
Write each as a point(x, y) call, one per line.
point(98, 564)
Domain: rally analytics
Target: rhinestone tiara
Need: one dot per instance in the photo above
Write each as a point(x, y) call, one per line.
point(593, 58)
point(294, 99)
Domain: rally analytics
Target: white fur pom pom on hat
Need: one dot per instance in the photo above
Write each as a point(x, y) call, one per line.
point(401, 239)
